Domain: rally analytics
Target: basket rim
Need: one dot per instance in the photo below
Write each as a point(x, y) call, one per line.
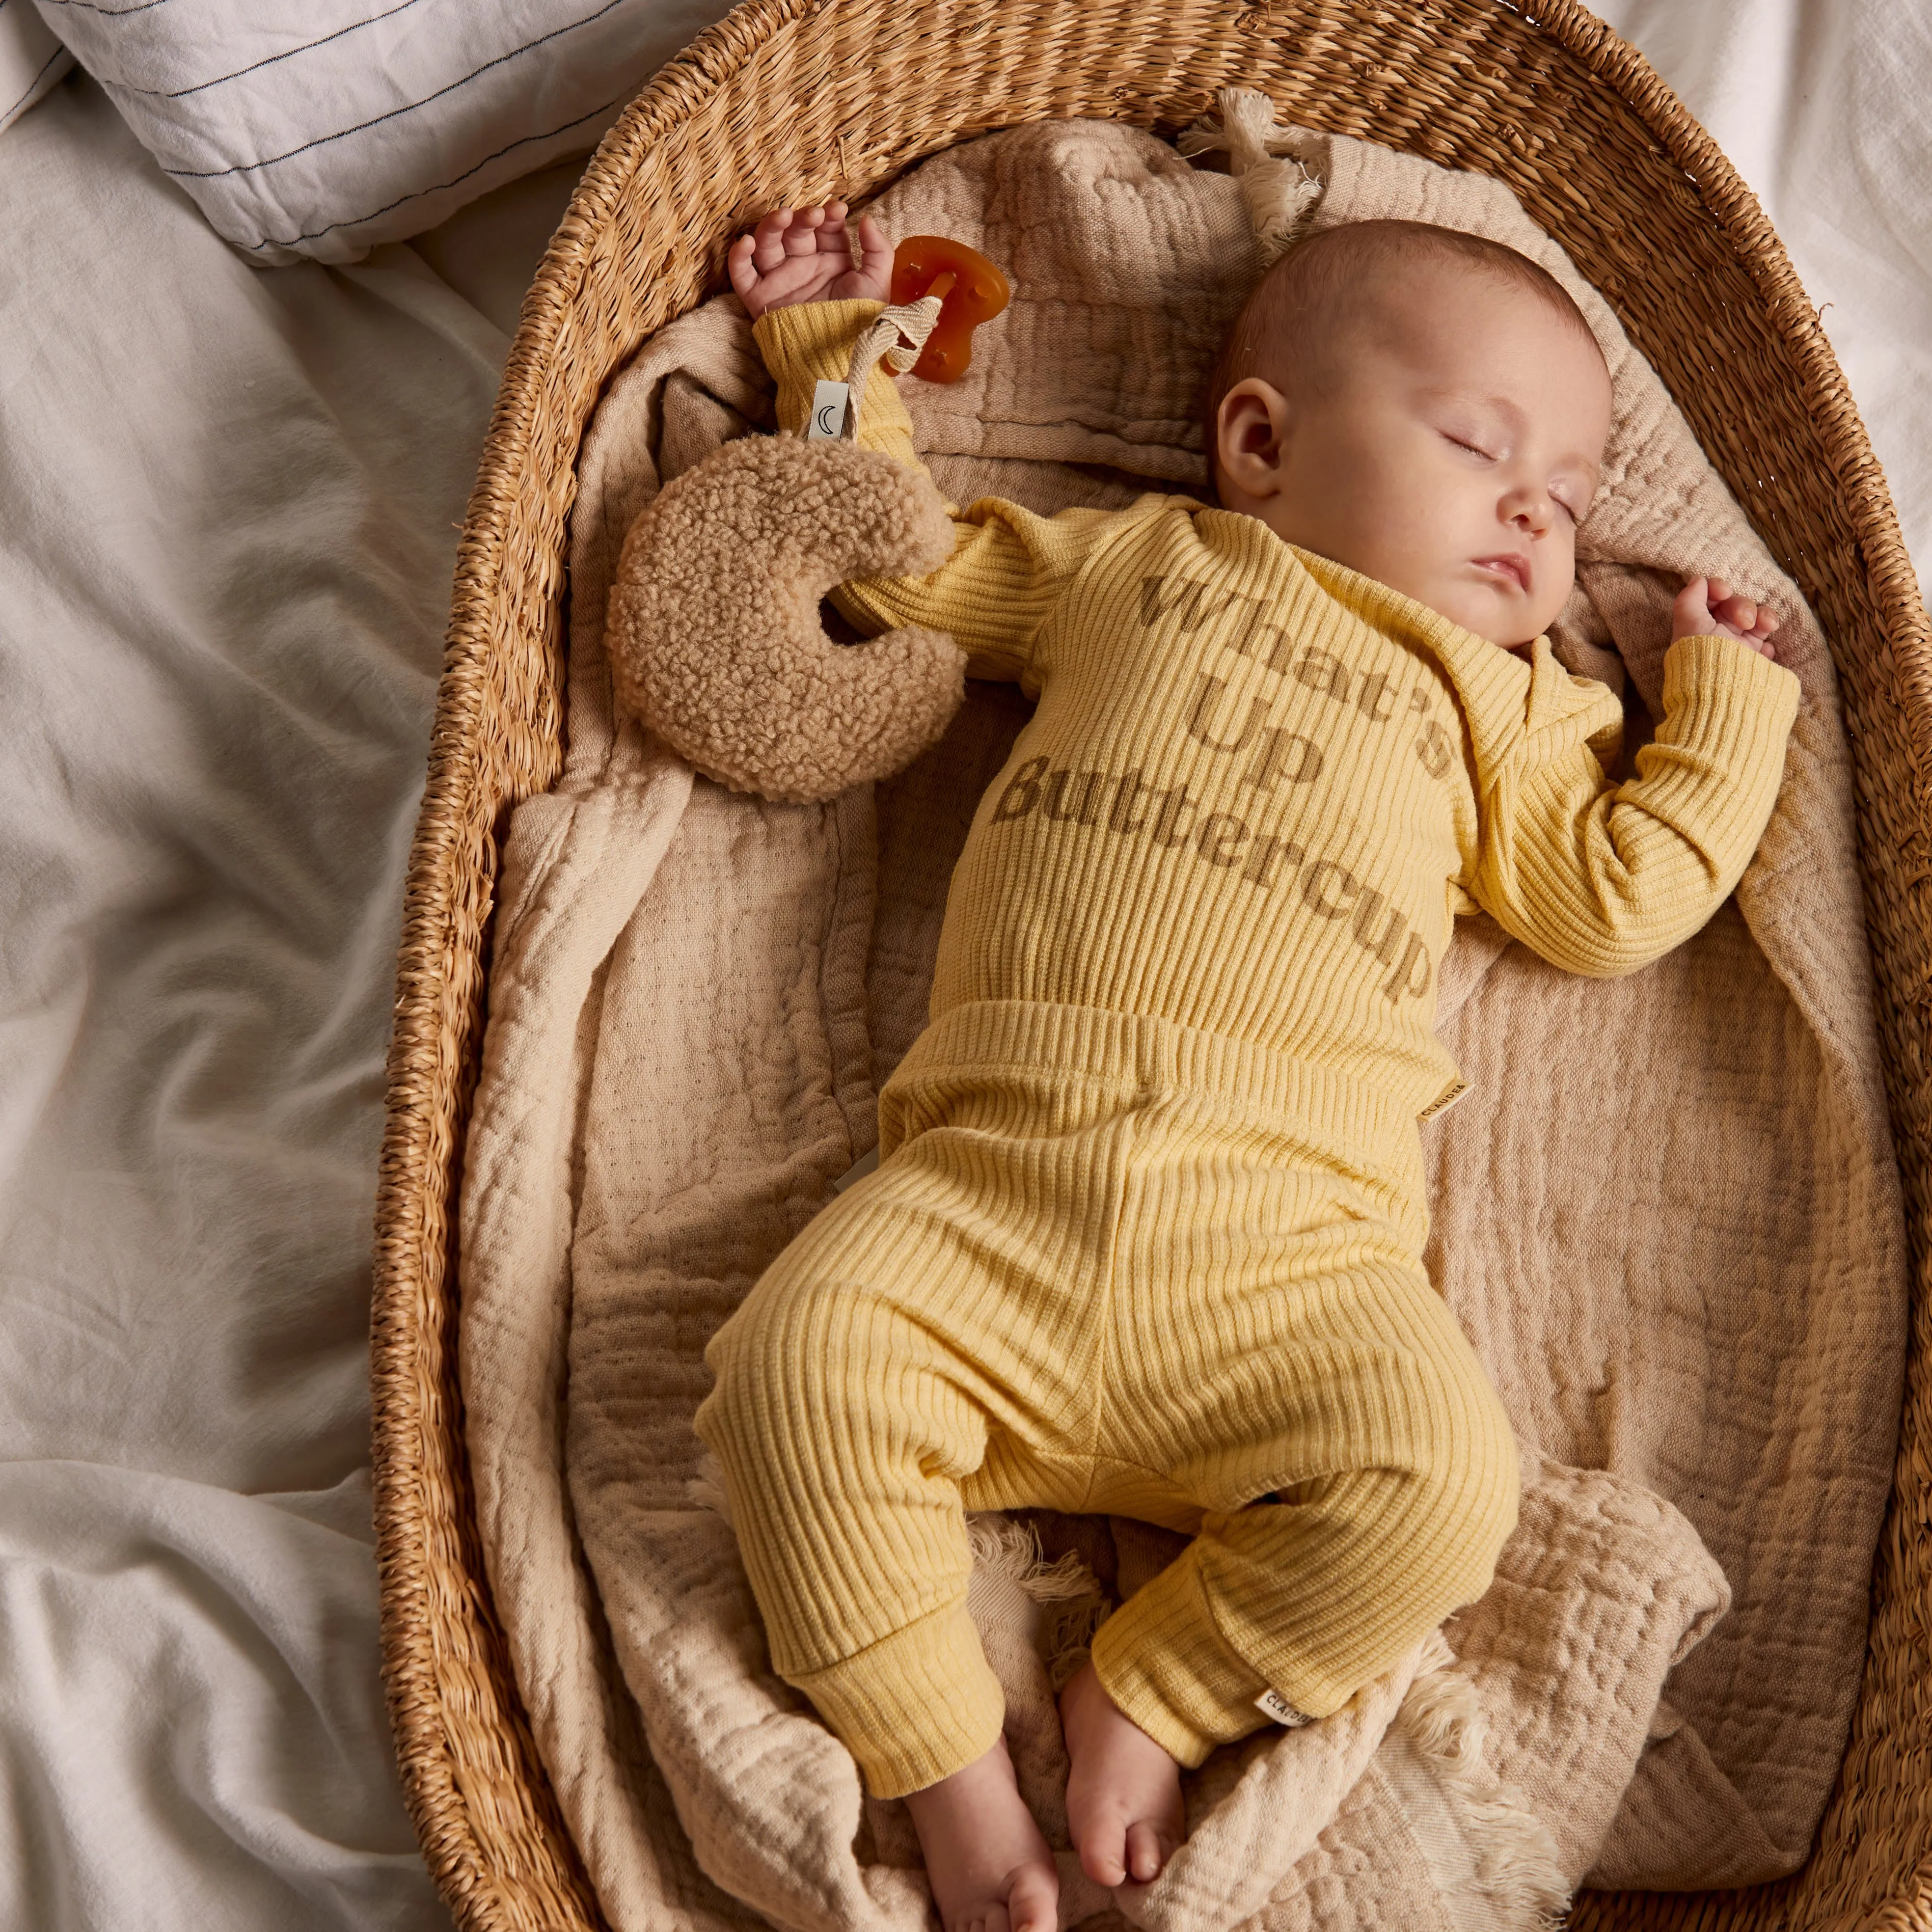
point(721, 49)
point(405, 1330)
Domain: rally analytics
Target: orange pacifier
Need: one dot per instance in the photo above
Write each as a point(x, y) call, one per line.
point(970, 291)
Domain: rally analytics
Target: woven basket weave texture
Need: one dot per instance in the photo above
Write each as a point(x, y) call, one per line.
point(788, 101)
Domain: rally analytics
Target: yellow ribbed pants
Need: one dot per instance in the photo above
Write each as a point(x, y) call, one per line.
point(1101, 1270)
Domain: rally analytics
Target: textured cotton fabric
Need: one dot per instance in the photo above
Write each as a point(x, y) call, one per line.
point(227, 513)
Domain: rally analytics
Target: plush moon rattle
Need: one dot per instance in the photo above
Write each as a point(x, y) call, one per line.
point(714, 636)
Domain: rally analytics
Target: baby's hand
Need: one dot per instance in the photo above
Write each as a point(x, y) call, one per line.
point(1707, 607)
point(802, 255)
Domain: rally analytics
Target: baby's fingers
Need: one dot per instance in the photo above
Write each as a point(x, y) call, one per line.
point(822, 232)
point(768, 238)
point(739, 266)
point(873, 239)
point(1752, 621)
point(1690, 614)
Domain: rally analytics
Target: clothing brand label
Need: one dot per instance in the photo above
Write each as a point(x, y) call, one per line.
point(1275, 1706)
point(830, 402)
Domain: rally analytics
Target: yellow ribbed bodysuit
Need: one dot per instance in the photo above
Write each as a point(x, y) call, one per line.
point(1145, 1235)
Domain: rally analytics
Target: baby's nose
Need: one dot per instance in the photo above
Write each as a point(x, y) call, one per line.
point(1533, 511)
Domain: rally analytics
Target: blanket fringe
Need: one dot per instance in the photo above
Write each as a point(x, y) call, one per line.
point(1013, 1550)
point(1515, 1854)
point(1069, 1594)
point(1277, 169)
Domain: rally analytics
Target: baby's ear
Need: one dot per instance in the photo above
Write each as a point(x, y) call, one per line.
point(1251, 425)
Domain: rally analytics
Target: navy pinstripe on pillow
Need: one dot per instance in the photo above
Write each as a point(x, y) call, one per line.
point(319, 127)
point(31, 60)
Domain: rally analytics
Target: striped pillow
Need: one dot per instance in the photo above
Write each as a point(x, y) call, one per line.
point(319, 127)
point(31, 59)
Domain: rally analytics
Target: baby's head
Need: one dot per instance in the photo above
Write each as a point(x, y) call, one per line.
point(1426, 406)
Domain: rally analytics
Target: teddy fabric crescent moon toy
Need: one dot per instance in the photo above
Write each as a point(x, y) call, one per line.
point(714, 639)
point(714, 635)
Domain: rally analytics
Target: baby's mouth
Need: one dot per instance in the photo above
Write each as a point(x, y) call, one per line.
point(1515, 568)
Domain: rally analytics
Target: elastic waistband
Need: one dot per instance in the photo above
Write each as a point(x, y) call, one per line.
point(1142, 1051)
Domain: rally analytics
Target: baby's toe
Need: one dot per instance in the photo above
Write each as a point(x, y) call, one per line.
point(1148, 1850)
point(1103, 1854)
point(1032, 1901)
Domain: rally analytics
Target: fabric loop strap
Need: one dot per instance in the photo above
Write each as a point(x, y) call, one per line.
point(898, 333)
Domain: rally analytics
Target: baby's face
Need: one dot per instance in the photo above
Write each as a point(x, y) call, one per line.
point(1447, 446)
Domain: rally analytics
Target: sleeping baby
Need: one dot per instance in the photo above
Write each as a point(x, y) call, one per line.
point(1145, 1235)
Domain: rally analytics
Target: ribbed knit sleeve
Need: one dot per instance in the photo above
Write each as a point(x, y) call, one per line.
point(1602, 879)
point(811, 342)
point(1010, 568)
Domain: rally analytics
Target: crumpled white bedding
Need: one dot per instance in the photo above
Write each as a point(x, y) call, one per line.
point(228, 502)
point(227, 510)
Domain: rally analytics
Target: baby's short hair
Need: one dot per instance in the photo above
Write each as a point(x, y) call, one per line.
point(1313, 285)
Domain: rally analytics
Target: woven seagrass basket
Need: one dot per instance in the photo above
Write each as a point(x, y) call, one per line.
point(791, 101)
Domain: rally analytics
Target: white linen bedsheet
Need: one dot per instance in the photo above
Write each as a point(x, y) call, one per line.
point(228, 502)
point(228, 511)
point(1822, 106)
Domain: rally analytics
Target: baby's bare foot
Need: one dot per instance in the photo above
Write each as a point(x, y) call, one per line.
point(990, 1869)
point(1124, 1808)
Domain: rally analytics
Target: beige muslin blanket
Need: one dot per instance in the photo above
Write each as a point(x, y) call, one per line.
point(1667, 1212)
